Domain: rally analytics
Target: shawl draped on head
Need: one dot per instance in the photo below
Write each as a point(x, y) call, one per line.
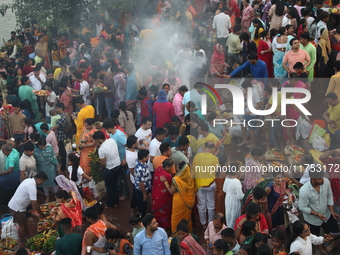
point(162, 97)
point(325, 46)
point(217, 57)
point(191, 247)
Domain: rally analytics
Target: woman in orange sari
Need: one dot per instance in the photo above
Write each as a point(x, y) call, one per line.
point(87, 144)
point(63, 44)
point(70, 208)
point(183, 190)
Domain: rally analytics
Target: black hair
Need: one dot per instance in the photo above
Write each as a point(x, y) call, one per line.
point(167, 163)
point(292, 41)
point(245, 36)
point(131, 140)
point(66, 223)
point(257, 152)
point(275, 82)
point(160, 131)
point(278, 234)
point(293, 13)
point(135, 218)
point(252, 209)
point(173, 130)
point(91, 213)
point(147, 219)
point(115, 114)
point(264, 249)
point(204, 127)
point(183, 226)
point(247, 84)
point(259, 237)
point(247, 228)
point(60, 105)
point(247, 248)
point(21, 251)
point(183, 140)
point(99, 207)
point(259, 193)
point(75, 160)
point(98, 135)
point(298, 65)
point(79, 100)
point(228, 232)
point(62, 194)
point(336, 64)
point(280, 7)
point(89, 121)
point(316, 172)
point(259, 25)
point(142, 154)
point(44, 127)
point(293, 75)
point(237, 28)
point(77, 75)
point(167, 126)
point(183, 88)
point(164, 147)
point(332, 95)
point(145, 120)
point(112, 233)
point(29, 146)
point(305, 35)
point(222, 245)
point(109, 123)
point(24, 80)
point(252, 56)
point(143, 92)
point(122, 106)
point(41, 176)
point(42, 141)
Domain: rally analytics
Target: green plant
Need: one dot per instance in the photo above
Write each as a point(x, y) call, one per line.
point(95, 166)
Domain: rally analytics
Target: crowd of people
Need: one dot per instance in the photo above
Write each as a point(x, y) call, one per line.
point(129, 89)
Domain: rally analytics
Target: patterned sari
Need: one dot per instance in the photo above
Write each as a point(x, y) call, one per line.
point(42, 49)
point(191, 247)
point(48, 163)
point(184, 199)
point(98, 229)
point(161, 198)
point(84, 157)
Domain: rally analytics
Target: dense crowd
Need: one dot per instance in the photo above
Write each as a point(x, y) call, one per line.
point(124, 92)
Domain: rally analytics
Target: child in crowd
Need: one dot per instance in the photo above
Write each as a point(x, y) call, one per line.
point(221, 247)
point(136, 223)
point(54, 117)
point(259, 239)
point(278, 241)
point(191, 107)
point(228, 234)
point(300, 70)
point(245, 249)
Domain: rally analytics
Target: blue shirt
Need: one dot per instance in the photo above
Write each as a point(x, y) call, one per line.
point(131, 87)
point(259, 70)
point(12, 160)
point(142, 174)
point(120, 140)
point(157, 245)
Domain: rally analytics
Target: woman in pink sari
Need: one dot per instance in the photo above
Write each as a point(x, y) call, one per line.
point(161, 198)
point(247, 16)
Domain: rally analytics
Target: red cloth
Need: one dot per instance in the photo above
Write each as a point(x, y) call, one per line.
point(234, 9)
point(73, 211)
point(217, 57)
point(162, 113)
point(335, 44)
point(332, 168)
point(26, 70)
point(266, 57)
point(161, 198)
point(262, 226)
point(191, 247)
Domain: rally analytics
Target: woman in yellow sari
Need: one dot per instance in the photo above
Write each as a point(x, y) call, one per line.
point(41, 51)
point(87, 144)
point(183, 190)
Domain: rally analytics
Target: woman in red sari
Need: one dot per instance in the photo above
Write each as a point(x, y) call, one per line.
point(276, 190)
point(265, 53)
point(161, 198)
point(233, 11)
point(63, 44)
point(69, 208)
point(218, 66)
point(162, 111)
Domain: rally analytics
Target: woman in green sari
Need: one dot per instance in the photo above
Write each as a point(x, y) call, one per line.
point(47, 163)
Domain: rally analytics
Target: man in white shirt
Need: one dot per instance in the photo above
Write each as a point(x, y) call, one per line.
point(51, 101)
point(131, 160)
point(222, 25)
point(24, 196)
point(154, 147)
point(110, 162)
point(84, 87)
point(38, 79)
point(144, 134)
point(27, 163)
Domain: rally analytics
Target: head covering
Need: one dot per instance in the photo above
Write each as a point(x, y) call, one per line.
point(325, 46)
point(217, 57)
point(162, 97)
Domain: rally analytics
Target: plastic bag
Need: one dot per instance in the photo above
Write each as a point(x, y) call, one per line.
point(9, 229)
point(317, 130)
point(319, 143)
point(303, 128)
